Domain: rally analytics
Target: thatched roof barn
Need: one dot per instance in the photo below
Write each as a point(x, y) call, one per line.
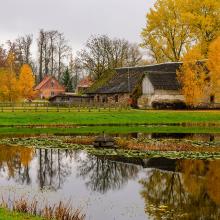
point(143, 85)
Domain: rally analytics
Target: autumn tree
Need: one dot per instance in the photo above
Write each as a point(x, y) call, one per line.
point(172, 26)
point(26, 82)
point(214, 66)
point(9, 88)
point(166, 36)
point(192, 76)
point(203, 19)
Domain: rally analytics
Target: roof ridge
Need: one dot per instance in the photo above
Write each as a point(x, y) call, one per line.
point(43, 82)
point(149, 65)
point(157, 71)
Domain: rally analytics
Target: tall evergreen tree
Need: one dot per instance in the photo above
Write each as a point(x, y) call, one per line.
point(67, 81)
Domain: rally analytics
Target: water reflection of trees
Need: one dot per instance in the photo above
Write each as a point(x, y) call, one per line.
point(53, 167)
point(102, 175)
point(191, 193)
point(14, 162)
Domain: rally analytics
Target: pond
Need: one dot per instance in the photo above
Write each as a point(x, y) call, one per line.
point(114, 189)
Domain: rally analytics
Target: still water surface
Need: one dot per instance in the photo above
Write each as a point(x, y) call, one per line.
point(107, 189)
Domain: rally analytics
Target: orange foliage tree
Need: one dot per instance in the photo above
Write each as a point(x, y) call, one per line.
point(26, 82)
point(214, 66)
point(9, 88)
point(192, 75)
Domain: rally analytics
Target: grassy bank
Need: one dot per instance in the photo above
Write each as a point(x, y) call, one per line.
point(82, 130)
point(9, 215)
point(134, 117)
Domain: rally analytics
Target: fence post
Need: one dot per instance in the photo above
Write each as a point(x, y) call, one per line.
point(58, 107)
point(22, 106)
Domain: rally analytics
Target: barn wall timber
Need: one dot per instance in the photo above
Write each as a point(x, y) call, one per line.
point(147, 87)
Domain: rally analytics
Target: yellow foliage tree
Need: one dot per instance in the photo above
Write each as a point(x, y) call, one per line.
point(9, 87)
point(214, 66)
point(203, 18)
point(26, 82)
point(192, 76)
point(165, 34)
point(174, 25)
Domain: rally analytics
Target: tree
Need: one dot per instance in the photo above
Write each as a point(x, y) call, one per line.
point(67, 81)
point(63, 51)
point(174, 25)
point(203, 19)
point(26, 82)
point(102, 53)
point(52, 36)
point(9, 89)
point(193, 77)
point(41, 41)
point(3, 56)
point(53, 49)
point(166, 36)
point(75, 70)
point(23, 45)
point(214, 65)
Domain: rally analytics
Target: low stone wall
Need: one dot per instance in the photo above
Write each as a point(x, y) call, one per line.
point(112, 99)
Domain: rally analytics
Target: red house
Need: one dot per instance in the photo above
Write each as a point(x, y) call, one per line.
point(84, 84)
point(49, 87)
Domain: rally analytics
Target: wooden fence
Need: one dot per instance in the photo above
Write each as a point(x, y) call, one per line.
point(60, 107)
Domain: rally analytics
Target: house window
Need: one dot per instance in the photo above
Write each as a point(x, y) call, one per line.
point(98, 98)
point(52, 93)
point(52, 84)
point(212, 99)
point(116, 98)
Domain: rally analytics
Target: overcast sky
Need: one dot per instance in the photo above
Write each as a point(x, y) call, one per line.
point(78, 19)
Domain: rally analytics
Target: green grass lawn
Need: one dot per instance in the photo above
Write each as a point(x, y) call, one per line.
point(12, 131)
point(109, 118)
point(8, 215)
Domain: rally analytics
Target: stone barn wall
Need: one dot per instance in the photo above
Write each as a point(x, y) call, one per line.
point(112, 99)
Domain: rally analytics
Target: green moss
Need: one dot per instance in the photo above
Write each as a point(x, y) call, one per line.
point(9, 215)
point(107, 75)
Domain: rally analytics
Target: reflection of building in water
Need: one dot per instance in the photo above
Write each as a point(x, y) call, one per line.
point(189, 136)
point(191, 193)
point(102, 175)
